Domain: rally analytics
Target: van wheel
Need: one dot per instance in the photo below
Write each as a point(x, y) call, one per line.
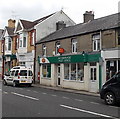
point(4, 82)
point(14, 84)
point(30, 85)
point(109, 98)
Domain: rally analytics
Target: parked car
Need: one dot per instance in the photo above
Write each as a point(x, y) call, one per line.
point(110, 91)
point(18, 75)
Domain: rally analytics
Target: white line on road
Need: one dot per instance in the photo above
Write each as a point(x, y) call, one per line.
point(35, 91)
point(44, 93)
point(86, 111)
point(54, 95)
point(65, 97)
point(24, 96)
point(78, 100)
point(0, 89)
point(5, 92)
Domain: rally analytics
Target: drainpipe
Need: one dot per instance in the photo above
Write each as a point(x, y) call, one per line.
point(3, 62)
point(34, 57)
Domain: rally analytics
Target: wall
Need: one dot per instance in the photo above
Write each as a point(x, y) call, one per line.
point(49, 25)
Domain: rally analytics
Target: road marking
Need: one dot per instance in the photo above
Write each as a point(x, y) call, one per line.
point(65, 97)
point(86, 111)
point(95, 103)
point(54, 95)
point(78, 100)
point(0, 89)
point(35, 91)
point(44, 93)
point(5, 92)
point(24, 96)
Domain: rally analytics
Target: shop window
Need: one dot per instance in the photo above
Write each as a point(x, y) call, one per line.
point(66, 71)
point(74, 71)
point(46, 70)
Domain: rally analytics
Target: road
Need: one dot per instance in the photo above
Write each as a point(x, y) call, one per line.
point(41, 102)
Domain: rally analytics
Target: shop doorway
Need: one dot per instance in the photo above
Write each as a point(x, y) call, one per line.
point(93, 79)
point(58, 75)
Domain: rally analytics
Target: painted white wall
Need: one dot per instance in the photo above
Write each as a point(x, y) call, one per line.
point(49, 25)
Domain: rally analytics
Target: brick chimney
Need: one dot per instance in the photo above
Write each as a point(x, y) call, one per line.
point(60, 25)
point(88, 16)
point(11, 23)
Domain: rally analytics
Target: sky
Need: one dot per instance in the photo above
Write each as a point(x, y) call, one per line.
point(34, 9)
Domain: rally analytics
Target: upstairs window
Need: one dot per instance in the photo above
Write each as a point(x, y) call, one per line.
point(22, 40)
point(74, 45)
point(44, 50)
point(96, 42)
point(32, 38)
point(9, 43)
point(57, 46)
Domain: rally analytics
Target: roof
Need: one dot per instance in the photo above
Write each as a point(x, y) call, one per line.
point(107, 22)
point(29, 24)
point(10, 31)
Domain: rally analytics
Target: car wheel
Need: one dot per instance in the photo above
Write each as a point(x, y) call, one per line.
point(4, 82)
point(109, 98)
point(14, 84)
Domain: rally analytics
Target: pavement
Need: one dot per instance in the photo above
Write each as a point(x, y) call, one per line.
point(66, 90)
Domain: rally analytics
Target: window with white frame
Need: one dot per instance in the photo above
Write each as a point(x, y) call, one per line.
point(22, 40)
point(96, 42)
point(44, 50)
point(74, 45)
point(9, 43)
point(57, 46)
point(74, 71)
point(46, 70)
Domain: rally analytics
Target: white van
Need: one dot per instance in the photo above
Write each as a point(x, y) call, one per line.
point(19, 75)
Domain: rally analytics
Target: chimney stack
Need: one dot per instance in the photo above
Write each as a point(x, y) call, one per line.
point(60, 25)
point(88, 16)
point(11, 23)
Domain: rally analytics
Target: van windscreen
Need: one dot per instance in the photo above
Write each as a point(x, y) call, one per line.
point(23, 73)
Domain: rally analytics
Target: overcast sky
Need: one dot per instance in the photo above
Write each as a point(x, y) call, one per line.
point(35, 9)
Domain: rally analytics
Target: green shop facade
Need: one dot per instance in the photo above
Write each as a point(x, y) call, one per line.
point(77, 71)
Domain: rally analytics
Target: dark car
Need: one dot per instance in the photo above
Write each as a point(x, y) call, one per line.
point(110, 91)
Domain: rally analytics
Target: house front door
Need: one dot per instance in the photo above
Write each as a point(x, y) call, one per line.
point(93, 79)
point(58, 75)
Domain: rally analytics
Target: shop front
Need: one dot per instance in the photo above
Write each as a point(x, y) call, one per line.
point(80, 71)
point(111, 60)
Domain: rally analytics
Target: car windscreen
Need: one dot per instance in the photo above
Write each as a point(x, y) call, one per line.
point(23, 73)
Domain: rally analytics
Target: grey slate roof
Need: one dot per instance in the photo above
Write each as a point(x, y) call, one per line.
point(107, 22)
